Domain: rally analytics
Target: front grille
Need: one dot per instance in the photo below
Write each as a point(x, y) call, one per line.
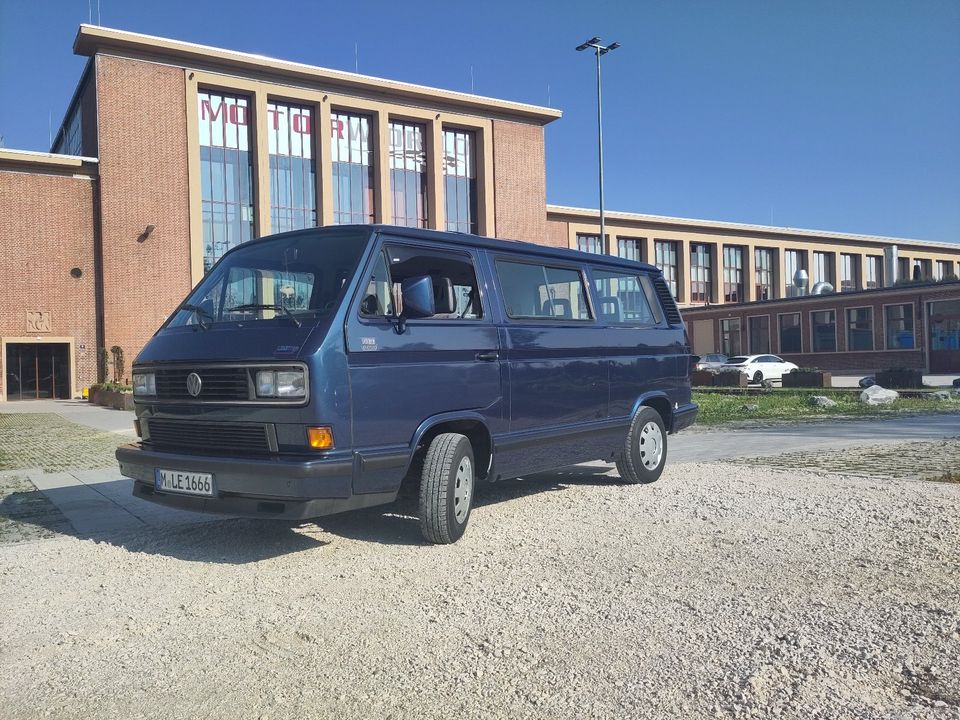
point(208, 436)
point(217, 384)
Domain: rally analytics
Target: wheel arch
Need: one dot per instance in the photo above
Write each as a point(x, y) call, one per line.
point(470, 424)
point(659, 401)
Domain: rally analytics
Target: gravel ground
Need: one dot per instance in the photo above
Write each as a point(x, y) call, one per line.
point(720, 591)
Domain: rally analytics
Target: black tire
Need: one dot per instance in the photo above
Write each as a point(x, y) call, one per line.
point(633, 461)
point(440, 501)
point(758, 377)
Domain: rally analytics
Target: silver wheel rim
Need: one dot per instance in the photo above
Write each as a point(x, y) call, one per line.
point(463, 489)
point(651, 445)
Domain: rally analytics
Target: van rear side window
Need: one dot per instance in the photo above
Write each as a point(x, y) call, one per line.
point(623, 300)
point(538, 291)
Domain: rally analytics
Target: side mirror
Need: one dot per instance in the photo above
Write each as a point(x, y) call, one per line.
point(418, 298)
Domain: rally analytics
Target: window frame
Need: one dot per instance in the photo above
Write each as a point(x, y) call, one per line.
point(739, 319)
point(913, 328)
point(780, 350)
point(381, 247)
point(873, 327)
point(750, 334)
point(654, 312)
point(836, 338)
point(545, 263)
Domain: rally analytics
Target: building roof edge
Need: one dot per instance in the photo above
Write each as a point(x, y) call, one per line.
point(91, 39)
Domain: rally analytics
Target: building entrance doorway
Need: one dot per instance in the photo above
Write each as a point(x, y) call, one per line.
point(945, 336)
point(36, 371)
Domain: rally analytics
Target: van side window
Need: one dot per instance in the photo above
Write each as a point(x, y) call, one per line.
point(455, 288)
point(621, 299)
point(537, 291)
point(652, 300)
point(378, 297)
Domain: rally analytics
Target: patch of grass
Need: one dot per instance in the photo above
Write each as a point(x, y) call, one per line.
point(721, 408)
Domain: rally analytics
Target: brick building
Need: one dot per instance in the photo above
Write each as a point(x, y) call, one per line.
point(170, 153)
point(914, 326)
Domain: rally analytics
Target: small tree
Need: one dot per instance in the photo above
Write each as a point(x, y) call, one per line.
point(118, 366)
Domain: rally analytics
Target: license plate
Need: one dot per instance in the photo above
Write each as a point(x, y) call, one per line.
point(180, 481)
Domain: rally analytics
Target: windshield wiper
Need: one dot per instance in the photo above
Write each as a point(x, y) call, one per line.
point(256, 306)
point(199, 313)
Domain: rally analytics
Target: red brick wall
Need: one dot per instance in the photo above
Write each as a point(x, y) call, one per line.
point(557, 234)
point(841, 360)
point(47, 229)
point(143, 181)
point(520, 184)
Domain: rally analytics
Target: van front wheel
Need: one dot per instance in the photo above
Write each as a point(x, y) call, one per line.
point(446, 488)
point(645, 450)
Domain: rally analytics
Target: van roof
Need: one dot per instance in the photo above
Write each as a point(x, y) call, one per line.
point(466, 239)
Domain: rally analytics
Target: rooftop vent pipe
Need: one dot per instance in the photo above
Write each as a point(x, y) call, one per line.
point(822, 288)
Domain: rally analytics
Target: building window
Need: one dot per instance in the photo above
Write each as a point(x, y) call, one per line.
point(352, 157)
point(226, 173)
point(759, 335)
point(70, 141)
point(898, 325)
point(293, 180)
point(944, 270)
point(822, 267)
point(860, 328)
point(666, 260)
point(823, 326)
point(733, 274)
point(873, 272)
point(589, 244)
point(793, 261)
point(903, 269)
point(763, 274)
point(701, 273)
point(848, 272)
point(791, 340)
point(408, 174)
point(629, 249)
point(730, 344)
point(460, 180)
point(925, 269)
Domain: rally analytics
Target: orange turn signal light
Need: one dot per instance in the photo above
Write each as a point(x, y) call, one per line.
point(320, 438)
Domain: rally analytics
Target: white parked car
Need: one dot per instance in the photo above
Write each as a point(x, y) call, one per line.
point(758, 368)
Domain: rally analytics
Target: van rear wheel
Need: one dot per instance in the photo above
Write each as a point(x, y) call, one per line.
point(644, 451)
point(446, 488)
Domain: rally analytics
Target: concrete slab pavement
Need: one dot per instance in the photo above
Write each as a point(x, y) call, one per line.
point(78, 411)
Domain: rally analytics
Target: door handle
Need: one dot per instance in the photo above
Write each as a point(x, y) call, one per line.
point(489, 356)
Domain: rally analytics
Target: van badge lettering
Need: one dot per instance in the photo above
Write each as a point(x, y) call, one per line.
point(286, 349)
point(194, 383)
point(368, 343)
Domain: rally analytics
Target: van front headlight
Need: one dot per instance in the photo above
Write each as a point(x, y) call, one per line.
point(144, 384)
point(281, 384)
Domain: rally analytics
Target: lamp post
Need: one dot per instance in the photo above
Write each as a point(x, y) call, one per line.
point(599, 50)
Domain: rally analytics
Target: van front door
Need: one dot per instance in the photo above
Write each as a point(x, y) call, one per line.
point(448, 363)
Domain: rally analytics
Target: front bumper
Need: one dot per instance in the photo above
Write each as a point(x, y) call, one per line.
point(684, 417)
point(255, 487)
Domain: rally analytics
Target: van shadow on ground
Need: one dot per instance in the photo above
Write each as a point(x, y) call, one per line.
point(399, 524)
point(32, 515)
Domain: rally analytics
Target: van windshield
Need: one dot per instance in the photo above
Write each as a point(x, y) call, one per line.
point(295, 280)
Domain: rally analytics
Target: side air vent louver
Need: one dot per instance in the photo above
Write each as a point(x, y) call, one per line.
point(667, 302)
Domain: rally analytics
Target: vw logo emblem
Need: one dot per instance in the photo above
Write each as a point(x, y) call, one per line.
point(194, 383)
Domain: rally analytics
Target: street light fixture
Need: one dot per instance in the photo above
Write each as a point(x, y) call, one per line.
point(599, 50)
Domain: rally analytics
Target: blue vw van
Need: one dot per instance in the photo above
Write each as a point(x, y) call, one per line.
point(315, 371)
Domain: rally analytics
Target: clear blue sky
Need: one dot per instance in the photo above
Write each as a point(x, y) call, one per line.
point(811, 113)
